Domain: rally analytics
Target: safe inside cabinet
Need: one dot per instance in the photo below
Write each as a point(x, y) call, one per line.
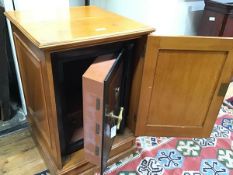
point(94, 80)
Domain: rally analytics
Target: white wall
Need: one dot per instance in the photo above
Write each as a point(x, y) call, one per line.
point(76, 2)
point(41, 4)
point(173, 17)
point(45, 4)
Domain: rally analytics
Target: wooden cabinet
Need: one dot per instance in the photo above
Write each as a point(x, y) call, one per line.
point(94, 81)
point(228, 30)
point(34, 90)
point(216, 19)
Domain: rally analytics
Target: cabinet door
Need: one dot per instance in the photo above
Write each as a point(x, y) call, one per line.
point(101, 106)
point(211, 23)
point(183, 85)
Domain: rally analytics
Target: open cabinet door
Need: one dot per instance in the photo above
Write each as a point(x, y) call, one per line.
point(183, 85)
point(101, 107)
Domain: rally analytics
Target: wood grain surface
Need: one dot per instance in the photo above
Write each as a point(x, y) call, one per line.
point(19, 155)
point(181, 80)
point(69, 26)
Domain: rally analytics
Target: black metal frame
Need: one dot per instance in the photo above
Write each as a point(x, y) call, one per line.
point(58, 59)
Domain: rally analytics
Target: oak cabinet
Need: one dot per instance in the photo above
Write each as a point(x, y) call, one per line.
point(181, 85)
point(93, 81)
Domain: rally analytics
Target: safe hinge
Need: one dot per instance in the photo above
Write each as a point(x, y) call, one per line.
point(97, 151)
point(97, 104)
point(97, 128)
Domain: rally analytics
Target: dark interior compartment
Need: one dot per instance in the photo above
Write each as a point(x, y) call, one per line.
point(68, 68)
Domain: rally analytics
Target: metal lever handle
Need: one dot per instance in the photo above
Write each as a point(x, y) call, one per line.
point(119, 117)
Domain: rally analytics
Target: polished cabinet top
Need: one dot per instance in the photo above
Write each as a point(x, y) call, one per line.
point(70, 26)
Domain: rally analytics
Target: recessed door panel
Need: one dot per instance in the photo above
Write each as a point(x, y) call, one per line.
point(182, 85)
point(30, 70)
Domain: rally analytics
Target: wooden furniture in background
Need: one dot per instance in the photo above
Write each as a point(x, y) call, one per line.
point(175, 88)
point(87, 2)
point(217, 19)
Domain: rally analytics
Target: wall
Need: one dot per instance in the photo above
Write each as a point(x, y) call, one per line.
point(173, 17)
point(45, 4)
point(1, 3)
point(41, 4)
point(76, 2)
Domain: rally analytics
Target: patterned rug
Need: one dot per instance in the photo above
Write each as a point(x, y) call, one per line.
point(46, 172)
point(183, 156)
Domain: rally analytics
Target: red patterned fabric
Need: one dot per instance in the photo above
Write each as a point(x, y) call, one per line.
point(183, 156)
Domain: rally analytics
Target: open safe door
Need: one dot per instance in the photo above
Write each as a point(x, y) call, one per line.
point(183, 85)
point(102, 109)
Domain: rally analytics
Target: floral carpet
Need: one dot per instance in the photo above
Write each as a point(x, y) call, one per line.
point(183, 156)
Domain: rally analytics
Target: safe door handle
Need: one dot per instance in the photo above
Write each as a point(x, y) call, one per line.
point(118, 117)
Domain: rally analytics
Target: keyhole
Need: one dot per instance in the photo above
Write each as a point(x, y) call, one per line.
point(117, 90)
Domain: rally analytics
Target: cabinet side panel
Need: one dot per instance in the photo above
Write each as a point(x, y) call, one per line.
point(44, 59)
point(42, 133)
point(30, 69)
